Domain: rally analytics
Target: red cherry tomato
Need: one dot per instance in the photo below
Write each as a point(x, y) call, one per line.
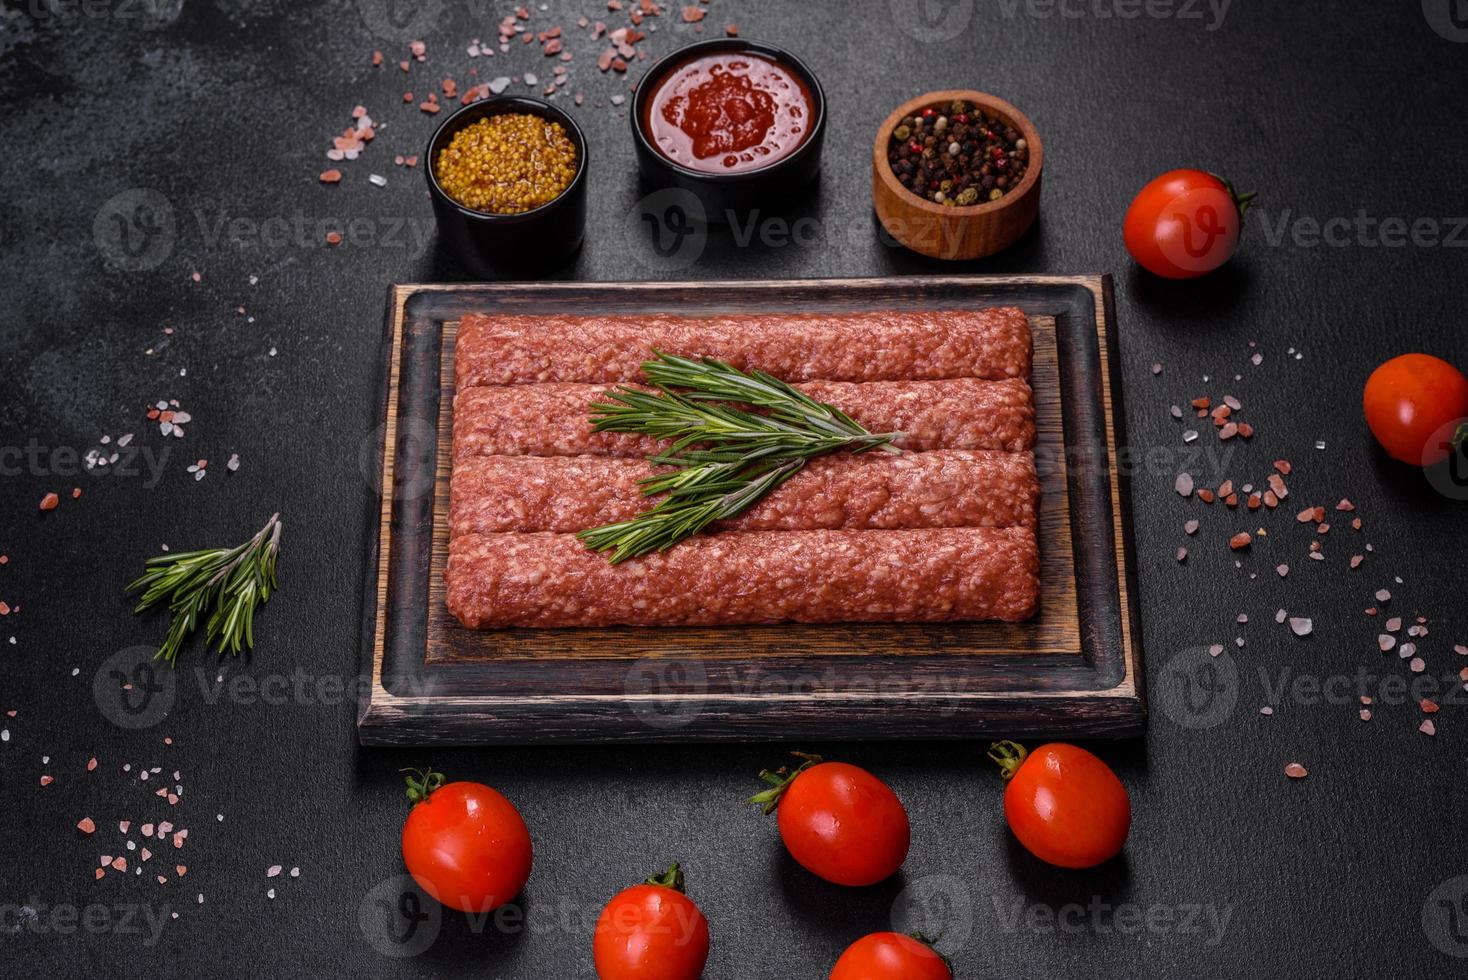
point(890, 956)
point(1184, 224)
point(838, 821)
point(1411, 404)
point(1063, 804)
point(651, 931)
point(464, 843)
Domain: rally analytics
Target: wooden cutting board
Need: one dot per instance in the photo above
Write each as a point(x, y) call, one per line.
point(1074, 670)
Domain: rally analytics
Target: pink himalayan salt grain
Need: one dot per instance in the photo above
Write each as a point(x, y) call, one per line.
point(1296, 771)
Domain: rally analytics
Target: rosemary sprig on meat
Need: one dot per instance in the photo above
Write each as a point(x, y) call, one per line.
point(225, 583)
point(700, 402)
point(724, 457)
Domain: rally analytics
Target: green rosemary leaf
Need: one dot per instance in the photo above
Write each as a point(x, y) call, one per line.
point(734, 437)
point(227, 583)
point(676, 518)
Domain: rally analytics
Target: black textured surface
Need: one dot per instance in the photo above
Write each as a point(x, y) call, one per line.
point(224, 109)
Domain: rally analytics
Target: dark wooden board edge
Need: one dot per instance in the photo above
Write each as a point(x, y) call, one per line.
point(405, 706)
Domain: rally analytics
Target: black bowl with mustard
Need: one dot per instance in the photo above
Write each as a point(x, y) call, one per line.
point(737, 123)
point(508, 180)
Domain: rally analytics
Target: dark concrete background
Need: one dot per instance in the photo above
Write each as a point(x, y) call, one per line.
point(222, 110)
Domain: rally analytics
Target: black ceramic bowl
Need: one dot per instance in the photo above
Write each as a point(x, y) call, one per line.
point(767, 188)
point(539, 239)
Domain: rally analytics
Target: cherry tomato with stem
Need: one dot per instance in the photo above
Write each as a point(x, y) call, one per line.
point(464, 843)
point(1417, 407)
point(651, 931)
point(838, 821)
point(1185, 224)
point(1063, 804)
point(891, 956)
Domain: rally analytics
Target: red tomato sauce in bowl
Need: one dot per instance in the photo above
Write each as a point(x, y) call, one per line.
point(728, 112)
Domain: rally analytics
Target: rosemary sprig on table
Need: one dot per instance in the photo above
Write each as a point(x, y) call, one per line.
point(724, 458)
point(225, 583)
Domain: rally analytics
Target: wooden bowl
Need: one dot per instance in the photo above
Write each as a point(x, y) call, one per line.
point(943, 232)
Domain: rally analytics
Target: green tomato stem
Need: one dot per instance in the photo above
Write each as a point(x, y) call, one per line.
point(422, 783)
point(1010, 756)
point(672, 878)
point(780, 781)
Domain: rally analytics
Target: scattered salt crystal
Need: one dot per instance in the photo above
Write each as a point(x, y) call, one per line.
point(1184, 484)
point(1266, 710)
point(272, 871)
point(1301, 625)
point(270, 893)
point(1296, 771)
point(377, 179)
point(1427, 727)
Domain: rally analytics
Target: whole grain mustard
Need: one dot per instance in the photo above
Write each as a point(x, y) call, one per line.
point(507, 164)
